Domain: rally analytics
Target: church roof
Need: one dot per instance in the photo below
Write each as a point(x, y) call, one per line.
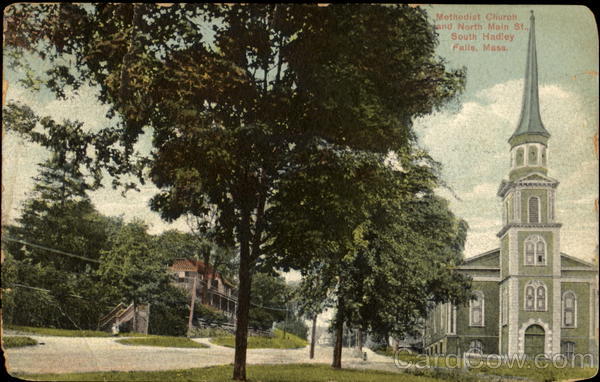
point(531, 121)
point(571, 261)
point(487, 260)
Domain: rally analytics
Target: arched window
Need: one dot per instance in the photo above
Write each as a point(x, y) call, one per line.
point(477, 310)
point(529, 297)
point(535, 250)
point(540, 252)
point(476, 346)
point(543, 156)
point(534, 209)
point(540, 298)
point(569, 310)
point(533, 155)
point(529, 253)
point(536, 298)
point(520, 156)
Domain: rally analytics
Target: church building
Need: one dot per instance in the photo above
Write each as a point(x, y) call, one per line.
point(530, 298)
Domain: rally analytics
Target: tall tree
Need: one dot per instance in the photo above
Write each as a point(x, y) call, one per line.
point(55, 247)
point(134, 266)
point(59, 215)
point(237, 95)
point(269, 299)
point(395, 252)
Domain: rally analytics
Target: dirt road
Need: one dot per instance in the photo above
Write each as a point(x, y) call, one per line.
point(76, 354)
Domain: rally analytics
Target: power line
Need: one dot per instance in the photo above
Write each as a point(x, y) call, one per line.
point(269, 308)
point(43, 290)
point(94, 261)
point(50, 249)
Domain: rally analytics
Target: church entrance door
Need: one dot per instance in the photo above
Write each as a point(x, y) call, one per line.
point(534, 341)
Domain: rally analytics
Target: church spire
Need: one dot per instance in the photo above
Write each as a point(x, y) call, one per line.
point(531, 122)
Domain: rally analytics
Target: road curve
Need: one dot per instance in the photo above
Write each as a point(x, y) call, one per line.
point(87, 354)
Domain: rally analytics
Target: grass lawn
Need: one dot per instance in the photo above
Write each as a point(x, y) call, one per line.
point(526, 369)
point(164, 341)
point(17, 341)
point(57, 332)
point(549, 373)
point(256, 373)
point(67, 332)
point(290, 341)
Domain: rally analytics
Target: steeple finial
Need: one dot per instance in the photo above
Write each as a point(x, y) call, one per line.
point(531, 121)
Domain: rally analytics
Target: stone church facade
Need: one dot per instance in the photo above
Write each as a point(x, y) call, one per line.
point(530, 297)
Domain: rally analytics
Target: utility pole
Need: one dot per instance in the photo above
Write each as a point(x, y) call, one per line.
point(192, 303)
point(286, 319)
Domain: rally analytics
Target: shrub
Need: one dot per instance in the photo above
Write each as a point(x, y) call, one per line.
point(168, 315)
point(209, 314)
point(17, 341)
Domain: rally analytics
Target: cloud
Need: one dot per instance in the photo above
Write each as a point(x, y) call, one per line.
point(472, 145)
point(482, 190)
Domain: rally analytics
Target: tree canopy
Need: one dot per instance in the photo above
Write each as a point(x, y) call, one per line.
point(237, 97)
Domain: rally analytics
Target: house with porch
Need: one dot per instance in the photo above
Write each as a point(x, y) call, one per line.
point(221, 293)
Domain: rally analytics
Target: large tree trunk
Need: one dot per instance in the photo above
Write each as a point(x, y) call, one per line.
point(339, 336)
point(192, 303)
point(313, 337)
point(245, 282)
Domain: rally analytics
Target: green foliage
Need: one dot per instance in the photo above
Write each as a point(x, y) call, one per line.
point(209, 314)
point(169, 312)
point(294, 325)
point(396, 252)
point(59, 215)
point(162, 341)
point(246, 118)
point(134, 266)
point(278, 341)
point(40, 295)
point(270, 296)
point(40, 331)
point(17, 341)
point(263, 373)
point(174, 244)
point(208, 332)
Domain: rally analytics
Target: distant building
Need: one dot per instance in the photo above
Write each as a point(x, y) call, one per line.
point(221, 293)
point(531, 299)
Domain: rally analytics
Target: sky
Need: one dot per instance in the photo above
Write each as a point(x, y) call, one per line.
point(468, 137)
point(471, 142)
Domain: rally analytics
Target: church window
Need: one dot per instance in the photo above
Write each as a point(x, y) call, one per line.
point(533, 155)
point(569, 309)
point(535, 250)
point(529, 253)
point(541, 298)
point(520, 156)
point(568, 349)
point(534, 209)
point(477, 310)
point(476, 346)
point(535, 296)
point(543, 156)
point(540, 252)
point(529, 297)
